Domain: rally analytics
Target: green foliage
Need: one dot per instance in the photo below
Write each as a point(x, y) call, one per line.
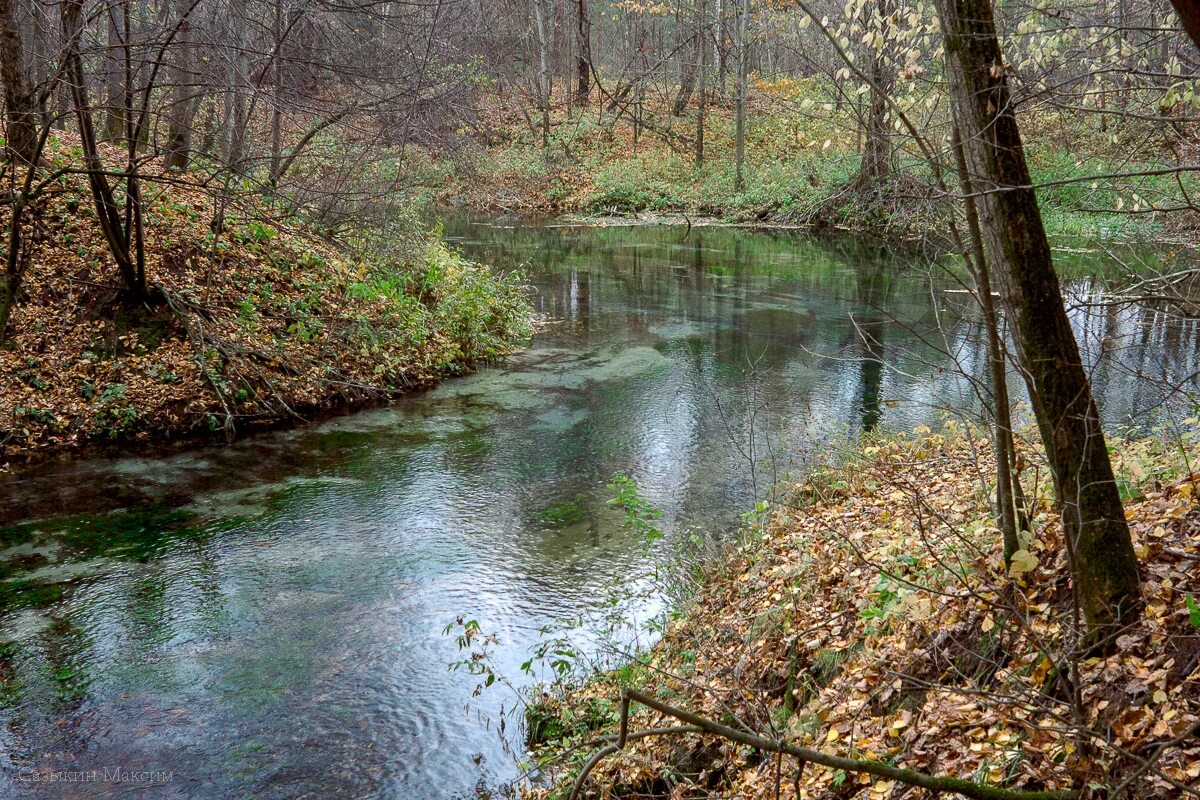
point(640, 513)
point(116, 415)
point(549, 721)
point(442, 308)
point(479, 648)
point(41, 415)
point(885, 593)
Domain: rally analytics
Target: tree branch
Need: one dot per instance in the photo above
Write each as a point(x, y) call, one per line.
point(923, 780)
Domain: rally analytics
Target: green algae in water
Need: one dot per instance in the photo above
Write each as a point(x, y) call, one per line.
point(137, 534)
point(40, 578)
point(559, 515)
point(18, 594)
point(19, 534)
point(470, 442)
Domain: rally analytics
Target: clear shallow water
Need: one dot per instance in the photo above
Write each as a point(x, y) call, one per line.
point(265, 620)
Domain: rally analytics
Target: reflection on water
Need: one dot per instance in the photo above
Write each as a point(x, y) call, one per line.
point(265, 620)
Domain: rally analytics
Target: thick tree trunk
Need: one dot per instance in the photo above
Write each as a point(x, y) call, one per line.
point(20, 101)
point(690, 65)
point(877, 149)
point(1189, 15)
point(16, 262)
point(1105, 568)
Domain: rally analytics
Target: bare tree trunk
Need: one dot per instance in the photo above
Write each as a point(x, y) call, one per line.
point(543, 75)
point(743, 66)
point(20, 101)
point(277, 97)
point(1189, 15)
point(107, 213)
point(16, 262)
point(182, 114)
point(722, 49)
point(1002, 440)
point(114, 72)
point(1097, 536)
point(702, 110)
point(689, 65)
point(583, 56)
point(877, 150)
point(235, 140)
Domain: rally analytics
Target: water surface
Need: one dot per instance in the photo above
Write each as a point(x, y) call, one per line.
point(266, 619)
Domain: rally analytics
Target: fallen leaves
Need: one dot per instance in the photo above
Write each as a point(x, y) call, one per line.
point(905, 640)
point(260, 325)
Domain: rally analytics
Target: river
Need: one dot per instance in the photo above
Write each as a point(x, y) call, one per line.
point(266, 620)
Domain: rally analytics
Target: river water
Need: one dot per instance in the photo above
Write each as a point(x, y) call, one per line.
point(265, 620)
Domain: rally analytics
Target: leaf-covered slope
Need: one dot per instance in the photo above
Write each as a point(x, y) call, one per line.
point(872, 620)
point(259, 324)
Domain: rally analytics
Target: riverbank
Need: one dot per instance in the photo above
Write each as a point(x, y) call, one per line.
point(801, 170)
point(262, 325)
point(872, 619)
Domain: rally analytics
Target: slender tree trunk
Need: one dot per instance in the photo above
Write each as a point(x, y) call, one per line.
point(583, 55)
point(42, 65)
point(16, 261)
point(702, 109)
point(20, 101)
point(114, 73)
point(235, 141)
point(182, 114)
point(277, 97)
point(1097, 536)
point(1002, 441)
point(743, 66)
point(107, 214)
point(722, 46)
point(543, 74)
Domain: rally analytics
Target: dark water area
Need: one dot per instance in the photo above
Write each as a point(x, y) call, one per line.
point(265, 620)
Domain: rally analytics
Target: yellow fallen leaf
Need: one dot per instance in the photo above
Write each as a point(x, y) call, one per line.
point(1022, 561)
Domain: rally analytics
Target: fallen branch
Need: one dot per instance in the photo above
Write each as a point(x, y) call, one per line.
point(932, 783)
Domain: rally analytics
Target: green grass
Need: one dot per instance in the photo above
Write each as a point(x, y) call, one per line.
point(802, 152)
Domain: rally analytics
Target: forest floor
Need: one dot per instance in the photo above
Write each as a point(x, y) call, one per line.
point(802, 159)
point(872, 618)
point(262, 325)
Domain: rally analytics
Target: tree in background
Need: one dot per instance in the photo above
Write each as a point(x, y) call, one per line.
point(20, 102)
